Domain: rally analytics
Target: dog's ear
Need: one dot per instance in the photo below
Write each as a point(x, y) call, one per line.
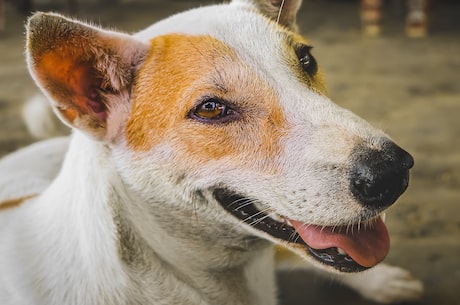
point(282, 11)
point(87, 72)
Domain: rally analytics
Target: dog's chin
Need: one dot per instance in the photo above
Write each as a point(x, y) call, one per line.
point(351, 248)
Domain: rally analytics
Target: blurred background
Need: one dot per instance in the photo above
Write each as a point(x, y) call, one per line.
point(405, 82)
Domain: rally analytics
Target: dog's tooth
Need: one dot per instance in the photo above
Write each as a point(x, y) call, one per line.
point(383, 216)
point(288, 222)
point(276, 217)
point(341, 251)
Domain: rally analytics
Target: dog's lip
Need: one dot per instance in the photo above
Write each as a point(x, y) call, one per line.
point(364, 245)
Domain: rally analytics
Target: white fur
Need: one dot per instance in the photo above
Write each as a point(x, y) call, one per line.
point(118, 226)
point(30, 170)
point(41, 122)
point(385, 284)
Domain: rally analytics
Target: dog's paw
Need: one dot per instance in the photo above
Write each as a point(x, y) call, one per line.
point(386, 284)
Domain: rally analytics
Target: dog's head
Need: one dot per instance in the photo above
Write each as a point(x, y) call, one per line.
point(224, 109)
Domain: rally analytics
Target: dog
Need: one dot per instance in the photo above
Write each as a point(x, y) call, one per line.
point(204, 151)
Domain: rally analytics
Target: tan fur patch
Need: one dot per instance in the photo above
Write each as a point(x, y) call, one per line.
point(12, 203)
point(181, 71)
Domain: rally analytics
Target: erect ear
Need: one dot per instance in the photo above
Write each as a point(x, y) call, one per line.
point(282, 11)
point(85, 71)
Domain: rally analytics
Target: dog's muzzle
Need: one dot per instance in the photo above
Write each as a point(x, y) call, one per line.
point(377, 179)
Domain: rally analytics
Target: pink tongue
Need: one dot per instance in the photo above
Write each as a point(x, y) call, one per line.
point(367, 245)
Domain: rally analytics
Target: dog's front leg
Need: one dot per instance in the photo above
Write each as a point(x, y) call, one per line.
point(384, 284)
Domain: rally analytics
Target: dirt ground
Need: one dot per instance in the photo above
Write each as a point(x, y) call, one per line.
point(408, 87)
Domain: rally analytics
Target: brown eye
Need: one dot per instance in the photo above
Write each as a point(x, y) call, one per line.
point(214, 110)
point(211, 110)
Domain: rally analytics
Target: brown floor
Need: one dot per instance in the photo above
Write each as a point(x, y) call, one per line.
point(408, 87)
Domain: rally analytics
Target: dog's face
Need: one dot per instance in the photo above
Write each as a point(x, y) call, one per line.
point(223, 110)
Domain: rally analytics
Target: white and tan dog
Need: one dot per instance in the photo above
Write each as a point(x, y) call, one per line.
point(198, 144)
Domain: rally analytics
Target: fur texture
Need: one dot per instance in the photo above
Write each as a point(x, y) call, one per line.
point(225, 99)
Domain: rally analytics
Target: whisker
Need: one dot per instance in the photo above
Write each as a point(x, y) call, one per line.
point(279, 12)
point(294, 236)
point(262, 212)
point(236, 202)
point(259, 220)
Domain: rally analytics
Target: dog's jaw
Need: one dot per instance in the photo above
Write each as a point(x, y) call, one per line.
point(350, 248)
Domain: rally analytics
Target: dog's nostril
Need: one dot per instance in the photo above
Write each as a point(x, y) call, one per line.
point(380, 189)
point(379, 177)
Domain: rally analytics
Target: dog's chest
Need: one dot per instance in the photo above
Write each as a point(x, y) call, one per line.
point(252, 283)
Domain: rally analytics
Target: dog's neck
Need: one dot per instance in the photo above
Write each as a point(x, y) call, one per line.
point(157, 254)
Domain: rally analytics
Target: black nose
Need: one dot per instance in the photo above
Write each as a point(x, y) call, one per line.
point(379, 177)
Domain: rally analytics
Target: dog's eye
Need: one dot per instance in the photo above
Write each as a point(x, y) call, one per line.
point(213, 110)
point(306, 60)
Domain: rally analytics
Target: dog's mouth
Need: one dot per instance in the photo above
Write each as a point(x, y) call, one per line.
point(352, 248)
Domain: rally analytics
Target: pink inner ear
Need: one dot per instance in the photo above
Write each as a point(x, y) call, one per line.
point(86, 93)
point(73, 84)
point(94, 102)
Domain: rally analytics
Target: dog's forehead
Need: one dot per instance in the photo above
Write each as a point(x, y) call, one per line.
point(257, 40)
point(220, 21)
